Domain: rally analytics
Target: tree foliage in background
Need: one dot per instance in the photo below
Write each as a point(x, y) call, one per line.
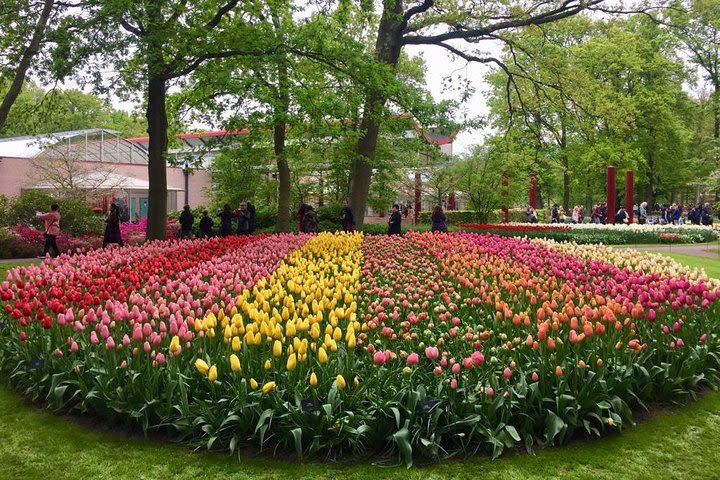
point(39, 111)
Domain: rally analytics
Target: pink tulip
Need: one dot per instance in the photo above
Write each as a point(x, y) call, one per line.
point(432, 353)
point(412, 359)
point(379, 358)
point(507, 373)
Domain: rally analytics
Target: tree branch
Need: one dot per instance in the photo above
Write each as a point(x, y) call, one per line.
point(566, 9)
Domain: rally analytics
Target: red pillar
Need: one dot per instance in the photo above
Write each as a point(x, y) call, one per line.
point(505, 210)
point(451, 201)
point(629, 179)
point(533, 191)
point(418, 185)
point(611, 194)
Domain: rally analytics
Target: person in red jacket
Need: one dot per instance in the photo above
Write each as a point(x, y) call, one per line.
point(52, 229)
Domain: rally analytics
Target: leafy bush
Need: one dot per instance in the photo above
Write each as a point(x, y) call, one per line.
point(77, 217)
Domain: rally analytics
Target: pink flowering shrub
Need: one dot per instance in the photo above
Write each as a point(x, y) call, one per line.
point(21, 241)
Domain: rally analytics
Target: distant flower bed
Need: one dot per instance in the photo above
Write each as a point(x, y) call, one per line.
point(21, 241)
point(619, 234)
point(421, 346)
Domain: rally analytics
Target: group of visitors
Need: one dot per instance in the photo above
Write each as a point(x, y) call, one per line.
point(245, 224)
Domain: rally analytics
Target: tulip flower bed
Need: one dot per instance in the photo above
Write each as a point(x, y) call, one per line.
point(619, 234)
point(422, 345)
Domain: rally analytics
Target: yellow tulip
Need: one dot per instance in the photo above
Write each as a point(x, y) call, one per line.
point(211, 332)
point(322, 355)
point(268, 364)
point(253, 384)
point(212, 374)
point(340, 381)
point(351, 342)
point(175, 344)
point(236, 344)
point(198, 324)
point(234, 363)
point(313, 379)
point(201, 366)
point(268, 387)
point(356, 382)
point(277, 348)
point(291, 362)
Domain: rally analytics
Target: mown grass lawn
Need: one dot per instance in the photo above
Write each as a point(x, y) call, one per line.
point(676, 444)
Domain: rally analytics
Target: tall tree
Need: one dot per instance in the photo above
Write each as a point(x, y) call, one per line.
point(157, 43)
point(439, 23)
point(24, 26)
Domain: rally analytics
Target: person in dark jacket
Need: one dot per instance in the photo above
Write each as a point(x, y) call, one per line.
point(310, 220)
point(347, 218)
point(395, 221)
point(251, 217)
point(555, 214)
point(226, 216)
point(112, 227)
point(186, 222)
point(438, 220)
point(243, 222)
point(301, 217)
point(206, 225)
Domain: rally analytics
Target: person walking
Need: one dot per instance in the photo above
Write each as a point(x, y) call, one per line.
point(310, 220)
point(206, 225)
point(243, 222)
point(51, 220)
point(347, 219)
point(112, 227)
point(438, 220)
point(226, 216)
point(186, 222)
point(395, 221)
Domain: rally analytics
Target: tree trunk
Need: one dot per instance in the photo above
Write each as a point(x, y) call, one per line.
point(387, 50)
point(650, 187)
point(280, 120)
point(157, 171)
point(715, 108)
point(25, 60)
point(566, 169)
point(284, 191)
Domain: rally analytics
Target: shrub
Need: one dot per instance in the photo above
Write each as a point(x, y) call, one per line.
point(77, 217)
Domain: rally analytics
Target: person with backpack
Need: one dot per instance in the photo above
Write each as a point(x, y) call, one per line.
point(51, 220)
point(310, 220)
point(112, 227)
point(186, 222)
point(206, 225)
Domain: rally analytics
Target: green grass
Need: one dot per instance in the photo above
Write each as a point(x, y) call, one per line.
point(711, 265)
point(681, 443)
point(4, 267)
point(37, 444)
